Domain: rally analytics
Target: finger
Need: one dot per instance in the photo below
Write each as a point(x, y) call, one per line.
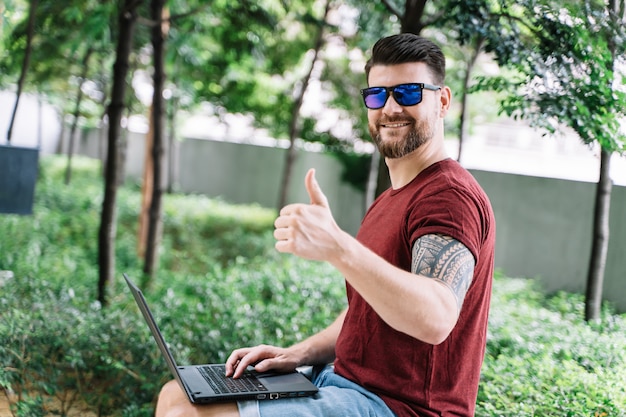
point(291, 209)
point(283, 221)
point(284, 246)
point(284, 233)
point(233, 361)
point(265, 365)
point(313, 188)
point(252, 357)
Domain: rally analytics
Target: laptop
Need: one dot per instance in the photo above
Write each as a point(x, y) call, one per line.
point(205, 384)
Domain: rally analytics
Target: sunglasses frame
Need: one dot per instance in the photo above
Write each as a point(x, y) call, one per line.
point(391, 91)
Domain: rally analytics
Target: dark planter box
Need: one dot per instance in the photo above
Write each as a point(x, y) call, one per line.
point(18, 174)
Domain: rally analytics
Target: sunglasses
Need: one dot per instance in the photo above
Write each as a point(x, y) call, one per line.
point(405, 94)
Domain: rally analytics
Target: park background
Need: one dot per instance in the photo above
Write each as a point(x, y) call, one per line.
point(544, 226)
point(247, 83)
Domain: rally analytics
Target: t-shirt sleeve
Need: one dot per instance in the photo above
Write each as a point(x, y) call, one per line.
point(450, 212)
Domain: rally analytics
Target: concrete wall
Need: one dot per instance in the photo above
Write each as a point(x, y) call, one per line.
point(248, 173)
point(544, 231)
point(544, 226)
point(240, 173)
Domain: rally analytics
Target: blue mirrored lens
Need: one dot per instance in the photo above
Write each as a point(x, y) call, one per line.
point(407, 94)
point(375, 97)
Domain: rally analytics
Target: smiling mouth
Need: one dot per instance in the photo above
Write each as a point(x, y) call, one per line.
point(394, 125)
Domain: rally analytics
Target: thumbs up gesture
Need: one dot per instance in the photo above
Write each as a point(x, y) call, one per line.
point(308, 230)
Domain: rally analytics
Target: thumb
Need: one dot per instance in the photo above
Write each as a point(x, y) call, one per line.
point(313, 188)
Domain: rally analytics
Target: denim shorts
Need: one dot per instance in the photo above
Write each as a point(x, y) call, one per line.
point(337, 397)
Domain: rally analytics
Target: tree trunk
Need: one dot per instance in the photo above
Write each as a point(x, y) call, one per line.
point(600, 243)
point(172, 144)
point(146, 189)
point(464, 95)
point(104, 121)
point(59, 149)
point(372, 180)
point(122, 148)
point(293, 126)
point(30, 32)
point(79, 99)
point(106, 235)
point(412, 18)
point(601, 230)
point(154, 218)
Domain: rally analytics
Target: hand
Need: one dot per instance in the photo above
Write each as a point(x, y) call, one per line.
point(308, 230)
point(263, 358)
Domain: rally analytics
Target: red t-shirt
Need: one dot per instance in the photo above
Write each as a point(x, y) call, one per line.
point(416, 378)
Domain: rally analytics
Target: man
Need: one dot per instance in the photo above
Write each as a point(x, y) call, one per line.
point(418, 275)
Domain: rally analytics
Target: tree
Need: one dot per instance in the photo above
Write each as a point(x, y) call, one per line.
point(30, 32)
point(600, 244)
point(564, 56)
point(106, 237)
point(461, 20)
point(297, 105)
point(76, 114)
point(159, 32)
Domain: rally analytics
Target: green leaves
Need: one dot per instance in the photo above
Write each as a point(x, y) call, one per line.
point(567, 57)
point(543, 359)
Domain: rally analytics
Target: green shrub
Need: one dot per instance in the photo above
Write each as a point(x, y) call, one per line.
point(200, 231)
point(223, 279)
point(52, 344)
point(221, 285)
point(543, 359)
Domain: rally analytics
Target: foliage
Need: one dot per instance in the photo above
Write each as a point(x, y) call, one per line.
point(225, 281)
point(60, 350)
point(200, 231)
point(54, 344)
point(562, 61)
point(543, 359)
point(60, 50)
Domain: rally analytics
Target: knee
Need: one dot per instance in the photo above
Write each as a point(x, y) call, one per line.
point(170, 389)
point(170, 399)
point(173, 402)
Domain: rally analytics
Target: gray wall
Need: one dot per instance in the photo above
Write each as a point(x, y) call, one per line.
point(544, 226)
point(248, 173)
point(544, 230)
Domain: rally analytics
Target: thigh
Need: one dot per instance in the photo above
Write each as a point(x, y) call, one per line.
point(337, 397)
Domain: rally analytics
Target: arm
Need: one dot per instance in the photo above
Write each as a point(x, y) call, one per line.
point(317, 349)
point(423, 304)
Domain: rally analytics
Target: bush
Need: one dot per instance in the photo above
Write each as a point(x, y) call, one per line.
point(543, 359)
point(220, 286)
point(225, 286)
point(52, 344)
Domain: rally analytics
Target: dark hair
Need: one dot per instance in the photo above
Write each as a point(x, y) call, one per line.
point(405, 48)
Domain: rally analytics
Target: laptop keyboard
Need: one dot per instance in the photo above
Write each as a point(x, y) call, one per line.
point(224, 385)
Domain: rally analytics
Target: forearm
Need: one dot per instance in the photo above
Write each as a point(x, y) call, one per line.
point(320, 348)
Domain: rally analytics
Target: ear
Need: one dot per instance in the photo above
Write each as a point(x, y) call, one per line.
point(446, 100)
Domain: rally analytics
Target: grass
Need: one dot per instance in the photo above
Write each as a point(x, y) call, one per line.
point(220, 277)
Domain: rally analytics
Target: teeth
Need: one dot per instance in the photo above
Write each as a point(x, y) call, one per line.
point(395, 124)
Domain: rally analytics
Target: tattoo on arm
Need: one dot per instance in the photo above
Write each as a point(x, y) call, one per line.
point(446, 260)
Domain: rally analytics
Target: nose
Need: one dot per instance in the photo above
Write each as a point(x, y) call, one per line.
point(391, 106)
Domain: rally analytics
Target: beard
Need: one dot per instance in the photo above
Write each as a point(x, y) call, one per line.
point(395, 145)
